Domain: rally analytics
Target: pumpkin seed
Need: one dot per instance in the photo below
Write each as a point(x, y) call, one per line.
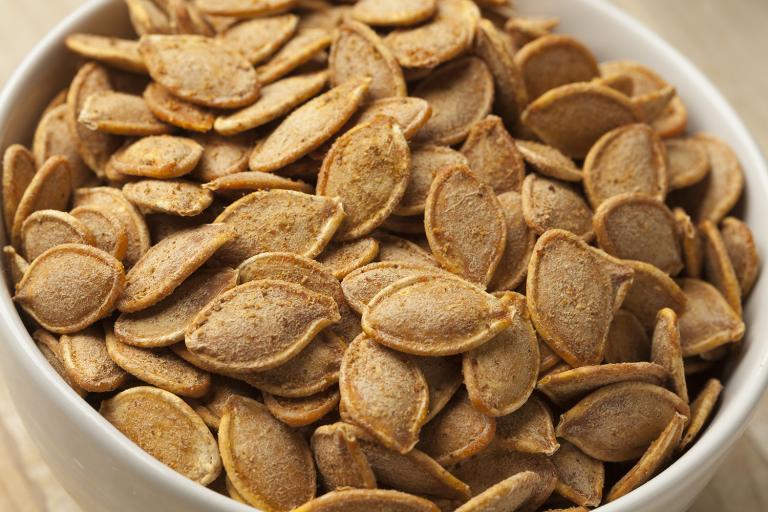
point(143, 414)
point(222, 156)
point(244, 8)
point(443, 376)
point(690, 243)
point(580, 478)
point(627, 341)
point(340, 460)
point(120, 114)
point(360, 500)
point(707, 321)
point(529, 429)
point(175, 111)
point(726, 180)
point(113, 51)
point(19, 168)
point(394, 12)
point(109, 234)
point(52, 137)
point(667, 352)
point(548, 161)
point(493, 156)
point(299, 412)
point(15, 265)
point(509, 494)
point(161, 157)
point(425, 162)
point(551, 204)
point(742, 252)
point(49, 346)
point(343, 258)
point(45, 229)
point(86, 359)
point(259, 38)
point(687, 162)
point(718, 268)
point(651, 291)
point(306, 44)
point(409, 112)
point(701, 410)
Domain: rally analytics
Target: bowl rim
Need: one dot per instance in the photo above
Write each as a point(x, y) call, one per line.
point(715, 440)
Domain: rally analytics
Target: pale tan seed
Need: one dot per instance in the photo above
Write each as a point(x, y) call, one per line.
point(312, 371)
point(164, 426)
point(742, 252)
point(244, 8)
point(109, 234)
point(493, 156)
point(529, 429)
point(255, 342)
point(340, 460)
point(15, 265)
point(673, 121)
point(383, 392)
point(510, 94)
point(548, 161)
point(413, 315)
point(690, 243)
point(49, 346)
point(465, 224)
point(186, 18)
point(718, 268)
point(120, 114)
point(651, 291)
point(344, 258)
point(323, 15)
point(409, 112)
point(554, 60)
point(460, 94)
point(291, 268)
point(414, 472)
point(45, 229)
point(120, 53)
point(394, 12)
point(359, 500)
point(268, 463)
point(654, 104)
point(707, 321)
point(495, 464)
point(552, 204)
point(147, 17)
point(85, 357)
point(394, 248)
point(309, 126)
point(514, 351)
point(521, 239)
point(652, 461)
point(175, 111)
point(368, 169)
point(166, 265)
point(524, 29)
point(425, 162)
point(303, 47)
point(459, 431)
point(114, 202)
point(571, 118)
point(249, 181)
point(300, 412)
point(279, 221)
point(580, 478)
point(443, 376)
point(95, 148)
point(509, 494)
point(574, 325)
point(726, 180)
point(19, 168)
point(70, 287)
point(222, 156)
point(161, 156)
point(619, 422)
point(200, 70)
point(52, 137)
point(701, 410)
point(667, 352)
point(687, 162)
point(358, 51)
point(639, 227)
point(277, 99)
point(259, 38)
point(176, 197)
point(566, 386)
point(160, 367)
point(443, 38)
point(164, 324)
point(49, 189)
point(628, 159)
point(627, 341)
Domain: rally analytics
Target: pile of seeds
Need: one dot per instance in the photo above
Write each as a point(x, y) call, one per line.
point(400, 255)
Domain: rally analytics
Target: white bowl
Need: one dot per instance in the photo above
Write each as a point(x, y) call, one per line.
point(103, 470)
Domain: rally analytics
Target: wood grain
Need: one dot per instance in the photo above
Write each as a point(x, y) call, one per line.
point(727, 40)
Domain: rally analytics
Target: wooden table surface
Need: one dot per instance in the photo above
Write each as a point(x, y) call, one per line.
point(727, 40)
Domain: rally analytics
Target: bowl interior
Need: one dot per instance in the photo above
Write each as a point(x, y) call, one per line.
point(611, 35)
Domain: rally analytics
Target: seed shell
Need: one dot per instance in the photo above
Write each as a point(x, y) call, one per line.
point(359, 500)
point(279, 221)
point(707, 321)
point(651, 291)
point(109, 234)
point(551, 204)
point(299, 412)
point(49, 346)
point(87, 284)
point(120, 114)
point(19, 168)
point(166, 265)
point(687, 162)
point(254, 342)
point(726, 180)
point(637, 410)
point(269, 464)
point(424, 326)
point(340, 460)
point(718, 268)
point(306, 44)
point(161, 157)
point(521, 239)
point(52, 137)
point(244, 8)
point(120, 53)
point(425, 162)
point(309, 126)
point(529, 429)
point(667, 352)
point(164, 323)
point(175, 111)
point(409, 112)
point(701, 410)
point(460, 94)
point(627, 340)
point(15, 265)
point(509, 494)
point(383, 392)
point(443, 376)
point(393, 248)
point(222, 156)
point(341, 259)
point(493, 156)
point(576, 328)
point(742, 252)
point(164, 426)
point(259, 38)
point(182, 198)
point(580, 478)
point(548, 161)
point(390, 13)
point(200, 70)
point(45, 229)
point(86, 359)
